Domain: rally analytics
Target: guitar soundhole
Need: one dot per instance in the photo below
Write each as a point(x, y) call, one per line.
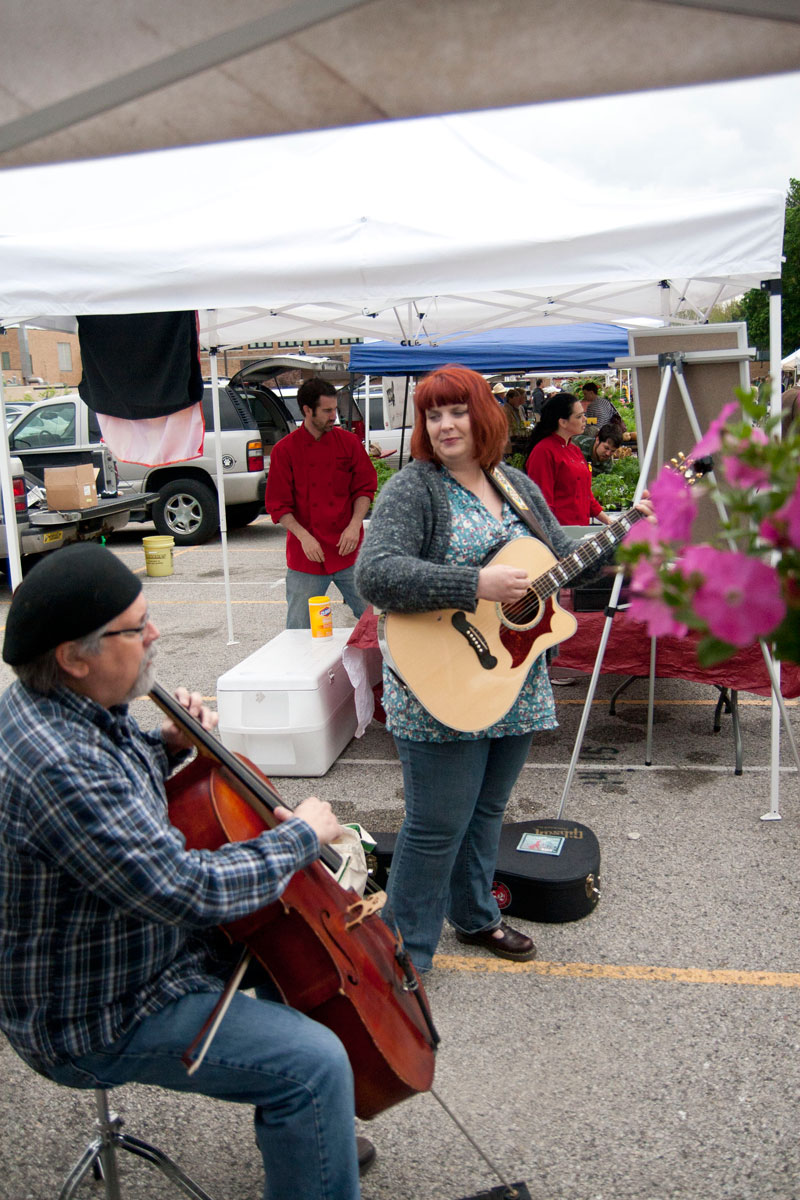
point(522, 614)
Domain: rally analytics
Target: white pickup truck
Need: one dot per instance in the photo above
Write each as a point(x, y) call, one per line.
point(180, 498)
point(40, 530)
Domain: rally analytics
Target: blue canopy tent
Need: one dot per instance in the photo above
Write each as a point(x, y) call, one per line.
point(530, 348)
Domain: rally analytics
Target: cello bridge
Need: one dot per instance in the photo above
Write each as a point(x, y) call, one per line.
point(368, 906)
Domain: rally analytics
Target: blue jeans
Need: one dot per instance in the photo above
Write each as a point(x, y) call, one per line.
point(444, 859)
point(301, 586)
point(293, 1070)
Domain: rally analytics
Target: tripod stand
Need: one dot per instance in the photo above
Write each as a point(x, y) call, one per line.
point(671, 366)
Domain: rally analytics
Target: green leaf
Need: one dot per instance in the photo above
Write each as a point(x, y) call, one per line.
point(787, 638)
point(711, 650)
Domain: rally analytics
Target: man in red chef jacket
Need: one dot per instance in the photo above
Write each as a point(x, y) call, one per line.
point(319, 488)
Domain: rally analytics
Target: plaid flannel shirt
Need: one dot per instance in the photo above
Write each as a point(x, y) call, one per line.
point(102, 907)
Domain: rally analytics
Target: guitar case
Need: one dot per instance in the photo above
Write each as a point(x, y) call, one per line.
point(536, 883)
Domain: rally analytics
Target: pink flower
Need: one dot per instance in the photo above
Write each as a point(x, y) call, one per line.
point(782, 528)
point(648, 607)
point(674, 505)
point(712, 439)
point(739, 598)
point(643, 533)
point(742, 475)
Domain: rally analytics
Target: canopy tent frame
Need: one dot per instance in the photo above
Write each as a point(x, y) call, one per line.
point(138, 76)
point(131, 235)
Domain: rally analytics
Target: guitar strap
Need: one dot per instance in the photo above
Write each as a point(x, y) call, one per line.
point(498, 478)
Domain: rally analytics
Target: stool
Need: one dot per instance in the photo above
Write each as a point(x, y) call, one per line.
point(100, 1156)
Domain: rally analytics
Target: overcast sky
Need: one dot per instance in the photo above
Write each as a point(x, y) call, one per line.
point(720, 137)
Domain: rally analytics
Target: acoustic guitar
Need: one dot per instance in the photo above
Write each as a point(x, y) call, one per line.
point(467, 669)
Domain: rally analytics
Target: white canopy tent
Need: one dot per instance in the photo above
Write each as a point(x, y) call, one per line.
point(85, 79)
point(454, 237)
point(458, 239)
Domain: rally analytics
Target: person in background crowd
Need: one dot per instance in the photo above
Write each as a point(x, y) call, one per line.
point(598, 408)
point(434, 525)
point(537, 399)
point(500, 391)
point(320, 486)
point(599, 448)
point(515, 413)
point(108, 948)
point(558, 467)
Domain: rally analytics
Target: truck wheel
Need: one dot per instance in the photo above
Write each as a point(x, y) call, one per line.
point(186, 510)
point(239, 515)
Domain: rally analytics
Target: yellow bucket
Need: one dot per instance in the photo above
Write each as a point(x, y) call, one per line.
point(158, 555)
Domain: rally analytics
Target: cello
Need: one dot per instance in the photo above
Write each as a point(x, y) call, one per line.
point(325, 947)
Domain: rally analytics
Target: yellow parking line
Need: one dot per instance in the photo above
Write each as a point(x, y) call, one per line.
point(618, 971)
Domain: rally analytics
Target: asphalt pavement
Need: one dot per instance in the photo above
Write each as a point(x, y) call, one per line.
point(650, 1051)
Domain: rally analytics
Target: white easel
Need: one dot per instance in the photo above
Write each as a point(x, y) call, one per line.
point(671, 366)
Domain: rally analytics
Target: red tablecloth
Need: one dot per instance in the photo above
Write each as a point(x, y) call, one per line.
point(628, 653)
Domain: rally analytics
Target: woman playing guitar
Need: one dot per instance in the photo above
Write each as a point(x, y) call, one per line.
point(425, 552)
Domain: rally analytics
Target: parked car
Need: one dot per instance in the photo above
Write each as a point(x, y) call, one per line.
point(393, 441)
point(40, 530)
point(64, 431)
point(262, 387)
point(13, 411)
point(253, 417)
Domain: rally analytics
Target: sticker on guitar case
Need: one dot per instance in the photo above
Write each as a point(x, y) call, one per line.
point(541, 843)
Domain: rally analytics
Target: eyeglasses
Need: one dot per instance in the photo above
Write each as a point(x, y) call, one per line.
point(135, 631)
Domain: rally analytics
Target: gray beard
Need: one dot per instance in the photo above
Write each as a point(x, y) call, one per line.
point(144, 680)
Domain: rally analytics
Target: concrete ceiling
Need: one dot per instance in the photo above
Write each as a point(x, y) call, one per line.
point(86, 78)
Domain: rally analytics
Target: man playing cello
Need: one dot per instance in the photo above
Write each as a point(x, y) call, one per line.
point(106, 969)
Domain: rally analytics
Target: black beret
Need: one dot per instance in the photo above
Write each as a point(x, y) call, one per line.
point(70, 593)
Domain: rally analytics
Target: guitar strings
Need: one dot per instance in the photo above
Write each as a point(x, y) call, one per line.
point(524, 610)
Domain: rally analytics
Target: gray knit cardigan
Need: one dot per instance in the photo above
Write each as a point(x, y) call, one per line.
point(401, 565)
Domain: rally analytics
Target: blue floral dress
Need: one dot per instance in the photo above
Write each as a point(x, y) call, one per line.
point(475, 535)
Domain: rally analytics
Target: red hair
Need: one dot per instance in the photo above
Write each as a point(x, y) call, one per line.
point(459, 385)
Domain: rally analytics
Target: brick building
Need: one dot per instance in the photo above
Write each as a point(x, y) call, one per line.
point(28, 355)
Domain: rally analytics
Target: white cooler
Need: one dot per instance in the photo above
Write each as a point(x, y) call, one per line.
point(290, 706)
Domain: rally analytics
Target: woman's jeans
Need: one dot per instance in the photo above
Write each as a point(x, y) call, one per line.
point(444, 859)
point(292, 1069)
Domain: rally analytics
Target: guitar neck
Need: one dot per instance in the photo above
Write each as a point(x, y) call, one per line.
point(589, 551)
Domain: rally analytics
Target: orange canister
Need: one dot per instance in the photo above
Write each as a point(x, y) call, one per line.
point(321, 617)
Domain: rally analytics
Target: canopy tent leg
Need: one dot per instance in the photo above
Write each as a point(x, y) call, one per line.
point(9, 511)
point(773, 286)
point(223, 523)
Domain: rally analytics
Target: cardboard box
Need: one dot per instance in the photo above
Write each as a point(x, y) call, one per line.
point(70, 487)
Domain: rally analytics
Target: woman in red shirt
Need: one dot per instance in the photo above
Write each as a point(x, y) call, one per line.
point(559, 468)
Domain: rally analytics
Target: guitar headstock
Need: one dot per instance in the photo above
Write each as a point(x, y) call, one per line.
point(692, 469)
